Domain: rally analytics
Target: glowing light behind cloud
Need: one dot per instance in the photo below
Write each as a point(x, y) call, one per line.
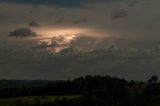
point(52, 32)
point(58, 39)
point(57, 43)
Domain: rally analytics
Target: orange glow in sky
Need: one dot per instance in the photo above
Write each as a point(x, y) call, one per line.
point(51, 32)
point(63, 37)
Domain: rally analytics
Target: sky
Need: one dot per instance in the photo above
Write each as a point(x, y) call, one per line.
point(57, 39)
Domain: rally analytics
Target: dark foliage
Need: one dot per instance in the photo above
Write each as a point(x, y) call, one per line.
point(95, 91)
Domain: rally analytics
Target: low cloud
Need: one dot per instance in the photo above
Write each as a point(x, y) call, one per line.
point(133, 3)
point(80, 21)
point(5, 17)
point(58, 3)
point(120, 13)
point(2, 16)
point(22, 32)
point(59, 21)
point(34, 24)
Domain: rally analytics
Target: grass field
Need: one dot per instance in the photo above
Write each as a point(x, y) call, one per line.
point(33, 99)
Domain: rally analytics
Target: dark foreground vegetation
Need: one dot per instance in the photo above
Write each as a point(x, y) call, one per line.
point(87, 91)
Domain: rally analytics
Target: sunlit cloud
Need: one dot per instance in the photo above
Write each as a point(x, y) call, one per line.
point(52, 32)
point(57, 39)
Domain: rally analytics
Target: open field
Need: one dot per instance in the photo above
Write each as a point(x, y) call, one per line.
point(33, 99)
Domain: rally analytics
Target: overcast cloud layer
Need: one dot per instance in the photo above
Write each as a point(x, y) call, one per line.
point(130, 27)
point(131, 18)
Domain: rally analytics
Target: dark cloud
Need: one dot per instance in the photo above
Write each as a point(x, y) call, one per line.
point(34, 24)
point(4, 17)
point(80, 21)
point(59, 21)
point(133, 3)
point(127, 63)
point(61, 3)
point(22, 32)
point(136, 33)
point(120, 13)
point(84, 43)
point(58, 3)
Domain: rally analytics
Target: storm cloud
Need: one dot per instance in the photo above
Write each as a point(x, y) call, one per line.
point(22, 32)
point(116, 37)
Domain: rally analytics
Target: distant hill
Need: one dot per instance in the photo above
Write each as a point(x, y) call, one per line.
point(21, 83)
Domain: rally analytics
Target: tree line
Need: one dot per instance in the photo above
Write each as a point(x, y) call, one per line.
point(95, 90)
